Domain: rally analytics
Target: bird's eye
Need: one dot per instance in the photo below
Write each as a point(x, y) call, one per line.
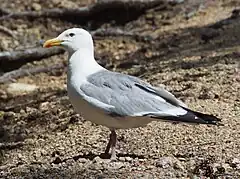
point(71, 34)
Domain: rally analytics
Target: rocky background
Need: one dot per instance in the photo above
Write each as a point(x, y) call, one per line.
point(190, 46)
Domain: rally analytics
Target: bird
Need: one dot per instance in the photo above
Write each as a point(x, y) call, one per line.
point(116, 100)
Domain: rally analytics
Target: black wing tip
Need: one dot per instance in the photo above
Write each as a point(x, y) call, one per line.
point(205, 118)
point(195, 117)
point(209, 119)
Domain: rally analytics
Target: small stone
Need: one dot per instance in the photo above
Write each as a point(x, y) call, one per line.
point(181, 159)
point(44, 106)
point(14, 88)
point(115, 165)
point(149, 16)
point(37, 154)
point(128, 159)
point(70, 162)
point(4, 45)
point(97, 160)
point(22, 112)
point(141, 160)
point(82, 160)
point(121, 46)
point(164, 162)
point(30, 110)
point(44, 152)
point(117, 57)
point(236, 161)
point(150, 167)
point(122, 159)
point(20, 156)
point(36, 6)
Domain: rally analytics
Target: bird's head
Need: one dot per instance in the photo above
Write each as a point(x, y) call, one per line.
point(72, 40)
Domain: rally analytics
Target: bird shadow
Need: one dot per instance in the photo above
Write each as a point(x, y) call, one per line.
point(91, 156)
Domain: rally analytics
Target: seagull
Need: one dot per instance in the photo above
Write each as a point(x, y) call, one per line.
point(116, 100)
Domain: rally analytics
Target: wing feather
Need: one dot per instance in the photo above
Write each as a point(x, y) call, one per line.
point(130, 96)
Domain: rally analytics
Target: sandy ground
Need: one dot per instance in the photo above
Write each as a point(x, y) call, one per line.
point(195, 55)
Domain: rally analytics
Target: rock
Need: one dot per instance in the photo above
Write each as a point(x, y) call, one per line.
point(97, 160)
point(31, 110)
point(20, 156)
point(165, 162)
point(36, 6)
point(44, 106)
point(236, 161)
point(128, 159)
point(20, 88)
point(141, 160)
point(122, 159)
point(82, 160)
point(115, 165)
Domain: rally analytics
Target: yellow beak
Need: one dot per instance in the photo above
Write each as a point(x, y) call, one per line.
point(52, 42)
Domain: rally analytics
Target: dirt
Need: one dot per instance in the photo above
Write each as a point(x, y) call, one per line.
point(191, 48)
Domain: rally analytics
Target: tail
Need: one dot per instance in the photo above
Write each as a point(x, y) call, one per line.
point(194, 117)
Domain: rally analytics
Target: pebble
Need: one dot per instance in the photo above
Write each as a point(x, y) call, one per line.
point(82, 160)
point(122, 159)
point(20, 88)
point(44, 106)
point(128, 159)
point(97, 160)
point(141, 160)
point(236, 161)
point(164, 162)
point(36, 6)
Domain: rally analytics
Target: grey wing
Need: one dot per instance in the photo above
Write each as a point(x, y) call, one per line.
point(125, 95)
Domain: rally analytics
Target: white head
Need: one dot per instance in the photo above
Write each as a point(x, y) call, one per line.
point(72, 40)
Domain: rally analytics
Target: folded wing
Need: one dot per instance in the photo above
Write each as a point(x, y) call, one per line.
point(124, 95)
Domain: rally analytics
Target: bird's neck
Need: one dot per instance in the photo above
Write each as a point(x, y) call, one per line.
point(82, 64)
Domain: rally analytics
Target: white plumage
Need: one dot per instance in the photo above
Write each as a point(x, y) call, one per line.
point(113, 99)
